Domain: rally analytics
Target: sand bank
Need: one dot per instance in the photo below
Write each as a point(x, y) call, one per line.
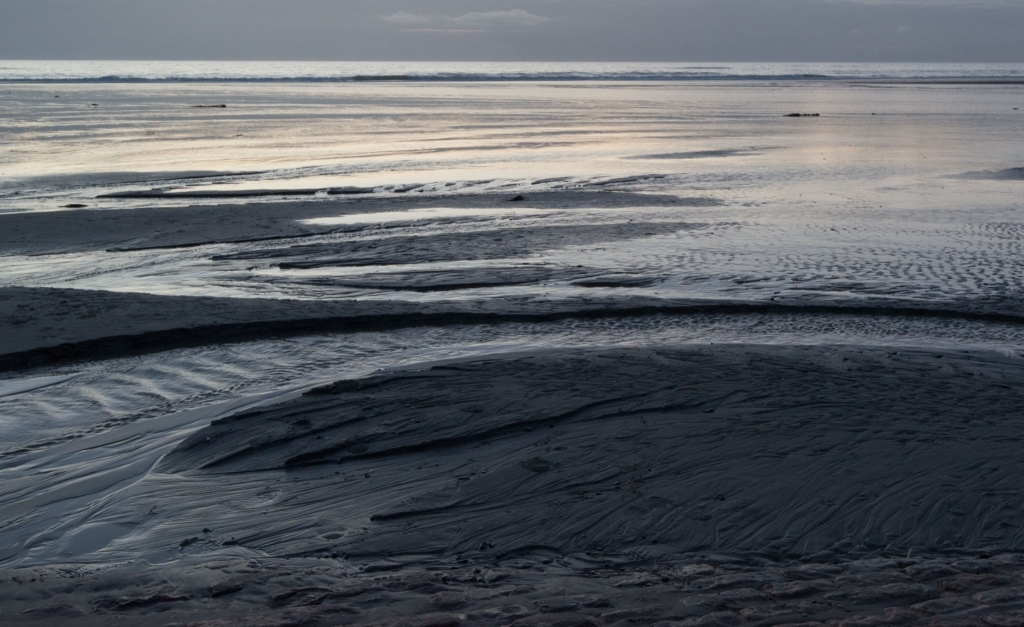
point(46, 326)
point(721, 483)
point(55, 232)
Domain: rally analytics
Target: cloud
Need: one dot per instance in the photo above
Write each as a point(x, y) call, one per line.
point(490, 19)
point(480, 20)
point(406, 19)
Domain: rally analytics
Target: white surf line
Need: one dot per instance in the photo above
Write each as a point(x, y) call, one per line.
point(53, 492)
point(10, 387)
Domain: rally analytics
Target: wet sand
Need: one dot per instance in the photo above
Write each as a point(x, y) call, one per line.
point(554, 262)
point(669, 484)
point(589, 355)
point(694, 485)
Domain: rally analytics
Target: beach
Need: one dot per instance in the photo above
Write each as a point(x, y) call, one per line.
point(562, 348)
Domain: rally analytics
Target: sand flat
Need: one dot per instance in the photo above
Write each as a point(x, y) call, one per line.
point(533, 354)
point(825, 482)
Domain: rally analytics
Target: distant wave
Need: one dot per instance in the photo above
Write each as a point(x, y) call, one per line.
point(341, 72)
point(426, 78)
point(523, 78)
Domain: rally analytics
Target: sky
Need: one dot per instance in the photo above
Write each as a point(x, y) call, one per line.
point(517, 30)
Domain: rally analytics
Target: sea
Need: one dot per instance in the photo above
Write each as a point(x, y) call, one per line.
point(341, 72)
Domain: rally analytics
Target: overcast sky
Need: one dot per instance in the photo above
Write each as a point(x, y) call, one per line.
point(516, 30)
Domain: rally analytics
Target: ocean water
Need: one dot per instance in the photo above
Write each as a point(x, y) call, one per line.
point(895, 191)
point(326, 71)
point(904, 187)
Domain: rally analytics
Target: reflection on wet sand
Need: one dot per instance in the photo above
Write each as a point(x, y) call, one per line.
point(530, 354)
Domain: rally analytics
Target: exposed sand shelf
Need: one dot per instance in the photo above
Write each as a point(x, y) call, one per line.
point(1009, 174)
point(96, 229)
point(451, 280)
point(103, 396)
point(734, 449)
point(619, 280)
point(10, 388)
point(706, 154)
point(129, 177)
point(678, 247)
point(42, 326)
point(587, 354)
point(741, 483)
point(224, 194)
point(227, 191)
point(472, 246)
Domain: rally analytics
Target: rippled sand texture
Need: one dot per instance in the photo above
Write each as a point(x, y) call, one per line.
point(730, 449)
point(531, 591)
point(727, 484)
point(531, 354)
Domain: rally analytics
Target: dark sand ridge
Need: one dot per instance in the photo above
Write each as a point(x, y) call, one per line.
point(45, 326)
point(705, 154)
point(458, 279)
point(492, 276)
point(1010, 174)
point(717, 485)
point(227, 194)
point(87, 179)
point(472, 246)
point(782, 452)
point(136, 229)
